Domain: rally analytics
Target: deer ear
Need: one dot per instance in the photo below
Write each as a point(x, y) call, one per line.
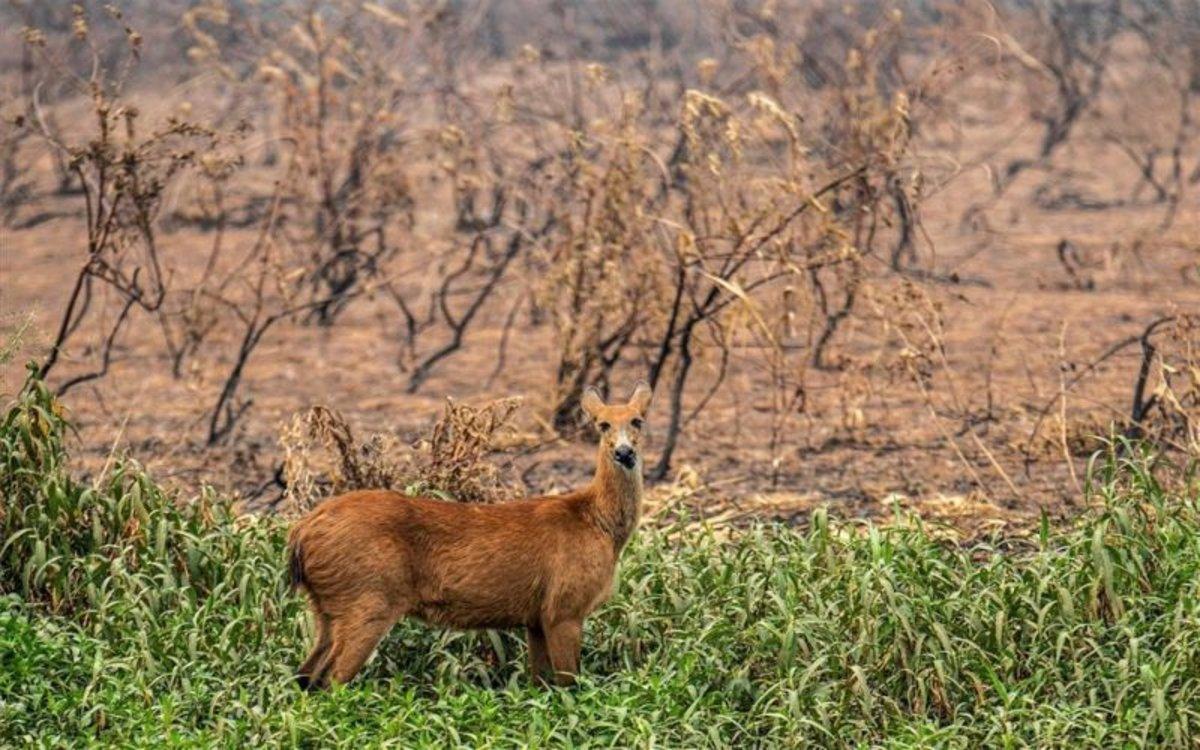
point(591, 401)
point(642, 394)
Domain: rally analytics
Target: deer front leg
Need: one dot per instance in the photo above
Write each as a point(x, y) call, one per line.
point(539, 657)
point(563, 640)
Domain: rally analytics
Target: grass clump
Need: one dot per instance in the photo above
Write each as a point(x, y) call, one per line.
point(127, 618)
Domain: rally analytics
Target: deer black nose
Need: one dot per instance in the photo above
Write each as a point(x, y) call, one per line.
point(625, 456)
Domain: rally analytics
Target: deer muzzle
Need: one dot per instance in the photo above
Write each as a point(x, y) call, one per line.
point(625, 455)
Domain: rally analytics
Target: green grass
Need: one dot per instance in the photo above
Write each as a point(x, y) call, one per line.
point(129, 618)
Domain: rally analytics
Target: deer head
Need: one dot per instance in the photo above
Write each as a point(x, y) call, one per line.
point(620, 425)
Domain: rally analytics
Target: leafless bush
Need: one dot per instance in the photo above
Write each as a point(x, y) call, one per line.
point(1165, 404)
point(1166, 395)
point(16, 180)
point(264, 288)
point(337, 79)
point(1166, 83)
point(123, 173)
point(1068, 46)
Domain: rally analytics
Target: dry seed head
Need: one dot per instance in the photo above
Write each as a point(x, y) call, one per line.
point(697, 104)
point(387, 16)
point(79, 27)
point(530, 54)
point(34, 37)
point(597, 73)
point(271, 73)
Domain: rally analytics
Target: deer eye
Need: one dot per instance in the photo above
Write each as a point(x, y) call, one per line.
point(604, 426)
point(637, 423)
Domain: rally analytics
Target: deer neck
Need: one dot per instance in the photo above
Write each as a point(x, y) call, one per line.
point(617, 495)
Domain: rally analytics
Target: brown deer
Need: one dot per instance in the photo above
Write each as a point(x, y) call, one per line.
point(367, 558)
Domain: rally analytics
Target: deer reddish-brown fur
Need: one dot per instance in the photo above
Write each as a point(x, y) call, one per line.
point(367, 558)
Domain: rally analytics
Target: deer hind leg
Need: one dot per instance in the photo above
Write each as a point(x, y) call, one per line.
point(563, 640)
point(355, 636)
point(539, 655)
point(320, 650)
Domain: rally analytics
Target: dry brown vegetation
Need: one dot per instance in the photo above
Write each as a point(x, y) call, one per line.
point(861, 251)
point(322, 457)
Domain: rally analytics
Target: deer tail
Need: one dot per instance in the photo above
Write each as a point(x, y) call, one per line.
point(295, 579)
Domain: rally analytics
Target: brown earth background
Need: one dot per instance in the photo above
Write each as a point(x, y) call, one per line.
point(1041, 278)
